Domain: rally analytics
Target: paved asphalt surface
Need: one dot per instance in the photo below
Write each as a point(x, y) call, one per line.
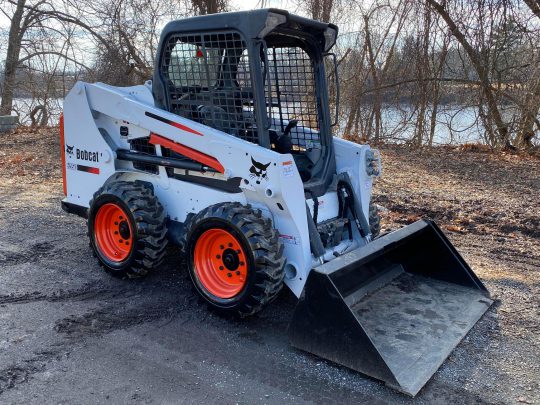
point(70, 333)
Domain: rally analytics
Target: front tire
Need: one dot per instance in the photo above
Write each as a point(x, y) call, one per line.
point(127, 230)
point(234, 257)
point(374, 220)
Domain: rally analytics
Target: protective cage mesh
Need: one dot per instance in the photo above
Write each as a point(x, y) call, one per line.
point(209, 81)
point(293, 94)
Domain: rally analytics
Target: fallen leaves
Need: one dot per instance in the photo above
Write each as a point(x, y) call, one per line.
point(454, 228)
point(464, 189)
point(31, 152)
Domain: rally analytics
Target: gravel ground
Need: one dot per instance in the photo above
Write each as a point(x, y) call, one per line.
point(71, 334)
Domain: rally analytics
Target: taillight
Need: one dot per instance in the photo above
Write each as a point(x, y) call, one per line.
point(63, 153)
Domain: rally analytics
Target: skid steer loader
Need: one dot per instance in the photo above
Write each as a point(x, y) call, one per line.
point(228, 152)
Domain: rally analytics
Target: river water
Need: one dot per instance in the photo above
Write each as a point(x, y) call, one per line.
point(455, 125)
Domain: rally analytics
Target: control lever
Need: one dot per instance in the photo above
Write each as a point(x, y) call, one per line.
point(283, 142)
point(292, 124)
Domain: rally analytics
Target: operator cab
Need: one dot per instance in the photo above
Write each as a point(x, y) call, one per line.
point(263, 81)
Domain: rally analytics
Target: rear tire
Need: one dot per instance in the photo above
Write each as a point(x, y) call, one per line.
point(127, 230)
point(234, 257)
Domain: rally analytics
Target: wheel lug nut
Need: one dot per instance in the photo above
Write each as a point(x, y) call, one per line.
point(229, 275)
point(241, 263)
point(230, 244)
point(238, 251)
point(237, 273)
point(116, 232)
point(221, 267)
point(116, 222)
point(127, 243)
point(221, 247)
point(121, 241)
point(218, 256)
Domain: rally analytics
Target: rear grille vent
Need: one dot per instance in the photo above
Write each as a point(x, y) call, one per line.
point(141, 145)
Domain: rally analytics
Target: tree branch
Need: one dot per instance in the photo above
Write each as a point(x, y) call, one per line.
point(30, 56)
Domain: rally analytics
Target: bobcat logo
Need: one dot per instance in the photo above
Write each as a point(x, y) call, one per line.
point(258, 170)
point(69, 149)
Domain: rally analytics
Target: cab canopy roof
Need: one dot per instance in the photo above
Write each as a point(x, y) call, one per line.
point(255, 24)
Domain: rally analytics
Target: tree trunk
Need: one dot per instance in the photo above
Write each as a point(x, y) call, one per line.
point(320, 9)
point(436, 87)
point(529, 112)
point(422, 68)
point(203, 7)
point(376, 112)
point(12, 59)
point(534, 5)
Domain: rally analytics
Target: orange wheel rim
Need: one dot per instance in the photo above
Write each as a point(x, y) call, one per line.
point(220, 263)
point(113, 233)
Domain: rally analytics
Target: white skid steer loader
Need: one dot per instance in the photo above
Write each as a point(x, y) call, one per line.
point(228, 152)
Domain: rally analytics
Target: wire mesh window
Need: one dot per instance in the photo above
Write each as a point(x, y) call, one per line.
point(209, 81)
point(293, 95)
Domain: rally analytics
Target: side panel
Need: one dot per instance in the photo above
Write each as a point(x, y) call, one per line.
point(180, 198)
point(89, 160)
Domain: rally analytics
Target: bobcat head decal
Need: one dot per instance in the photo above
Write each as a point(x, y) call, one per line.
point(258, 170)
point(69, 149)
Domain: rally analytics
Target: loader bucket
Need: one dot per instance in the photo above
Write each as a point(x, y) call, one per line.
point(393, 309)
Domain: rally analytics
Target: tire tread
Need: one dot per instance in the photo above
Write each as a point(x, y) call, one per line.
point(151, 229)
point(264, 243)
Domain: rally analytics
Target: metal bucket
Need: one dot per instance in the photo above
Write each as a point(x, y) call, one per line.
point(393, 309)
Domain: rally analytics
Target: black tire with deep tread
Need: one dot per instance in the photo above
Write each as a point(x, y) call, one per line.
point(147, 218)
point(260, 241)
point(374, 220)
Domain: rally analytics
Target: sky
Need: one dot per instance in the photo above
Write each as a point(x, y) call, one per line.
point(251, 4)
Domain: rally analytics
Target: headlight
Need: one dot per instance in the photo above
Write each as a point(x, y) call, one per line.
point(373, 162)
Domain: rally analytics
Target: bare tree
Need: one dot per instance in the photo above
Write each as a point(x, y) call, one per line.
point(20, 21)
point(128, 33)
point(35, 41)
point(371, 66)
point(123, 37)
point(408, 70)
point(481, 69)
point(530, 97)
